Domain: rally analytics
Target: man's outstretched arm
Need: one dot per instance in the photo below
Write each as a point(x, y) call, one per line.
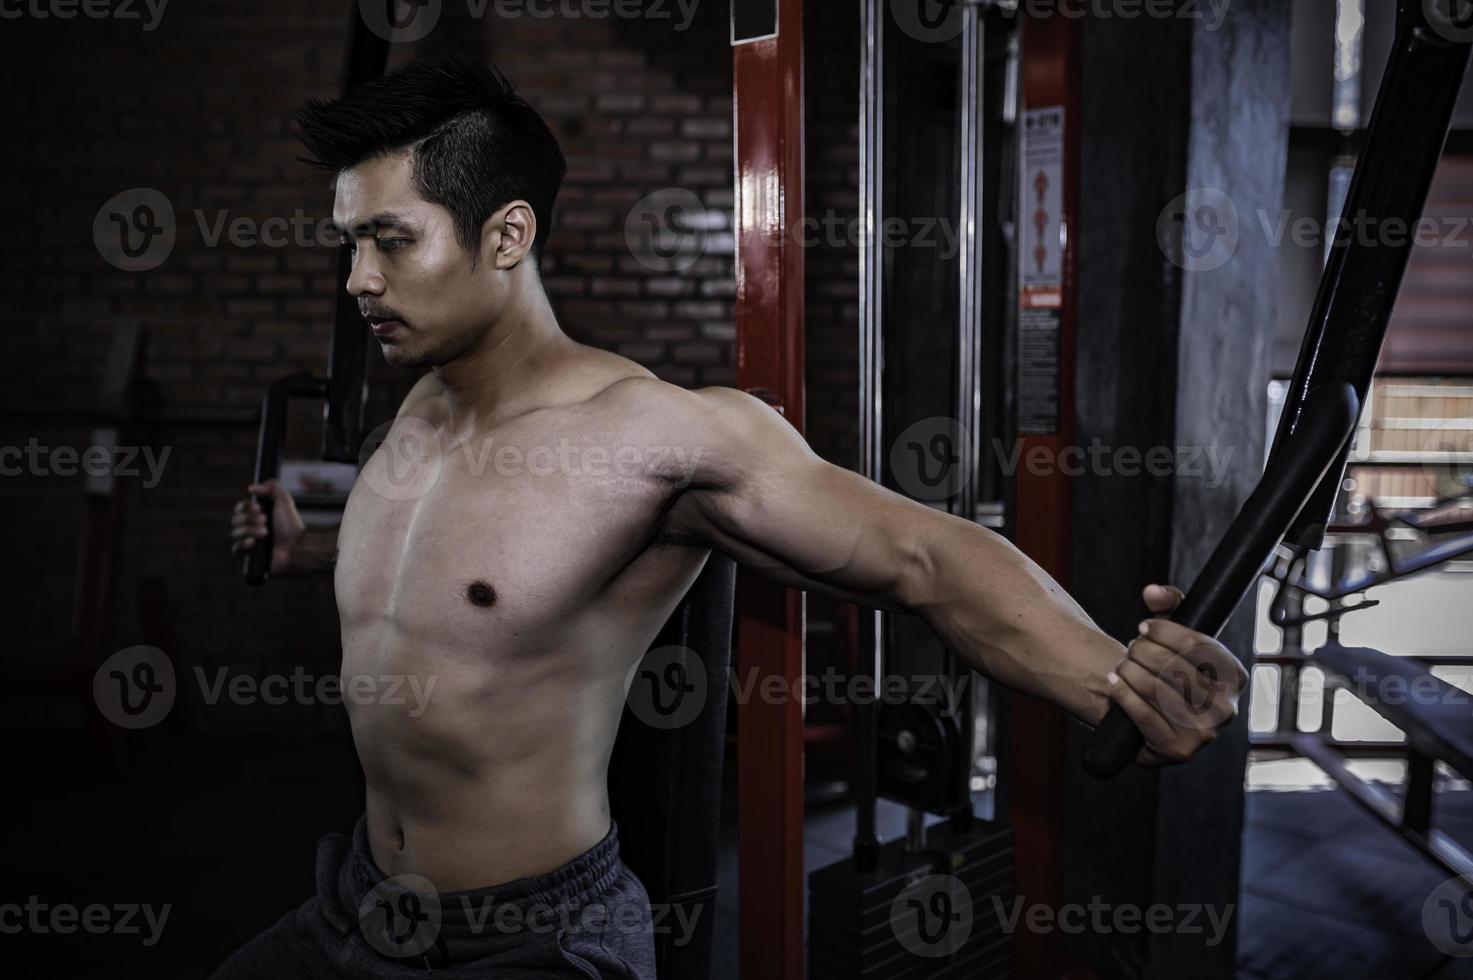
point(757, 492)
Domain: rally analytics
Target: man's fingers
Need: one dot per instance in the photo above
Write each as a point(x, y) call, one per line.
point(248, 516)
point(1170, 668)
point(1135, 693)
point(1173, 636)
point(247, 531)
point(1162, 598)
point(1210, 656)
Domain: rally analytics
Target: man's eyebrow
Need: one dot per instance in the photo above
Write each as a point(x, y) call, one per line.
point(383, 219)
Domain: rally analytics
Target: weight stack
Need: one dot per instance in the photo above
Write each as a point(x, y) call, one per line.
point(857, 930)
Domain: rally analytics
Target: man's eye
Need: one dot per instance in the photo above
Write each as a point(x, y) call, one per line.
point(389, 244)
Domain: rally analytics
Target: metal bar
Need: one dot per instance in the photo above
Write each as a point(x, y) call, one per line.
point(1289, 698)
point(1043, 508)
point(103, 513)
point(767, 83)
point(1441, 849)
point(1327, 698)
point(1431, 659)
point(256, 563)
point(1416, 808)
point(1353, 306)
point(1293, 470)
point(1269, 741)
point(969, 267)
point(347, 386)
point(871, 401)
point(972, 57)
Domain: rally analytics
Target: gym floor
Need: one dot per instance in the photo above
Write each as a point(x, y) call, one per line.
point(1328, 892)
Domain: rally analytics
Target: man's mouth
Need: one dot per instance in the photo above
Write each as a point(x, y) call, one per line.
point(382, 326)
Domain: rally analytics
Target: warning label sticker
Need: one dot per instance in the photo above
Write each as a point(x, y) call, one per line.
point(1041, 258)
point(1040, 269)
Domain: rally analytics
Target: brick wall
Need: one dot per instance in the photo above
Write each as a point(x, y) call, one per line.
point(198, 108)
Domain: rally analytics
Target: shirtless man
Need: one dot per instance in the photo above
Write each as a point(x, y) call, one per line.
point(535, 513)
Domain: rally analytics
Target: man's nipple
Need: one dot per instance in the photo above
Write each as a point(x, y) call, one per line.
point(480, 594)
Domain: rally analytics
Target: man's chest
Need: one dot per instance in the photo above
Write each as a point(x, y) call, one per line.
point(515, 532)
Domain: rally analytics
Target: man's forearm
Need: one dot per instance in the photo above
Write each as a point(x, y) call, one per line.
point(1004, 616)
point(314, 552)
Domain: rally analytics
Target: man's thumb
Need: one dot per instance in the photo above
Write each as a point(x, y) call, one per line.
point(1162, 598)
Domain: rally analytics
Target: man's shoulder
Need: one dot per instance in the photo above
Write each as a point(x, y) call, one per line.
point(647, 392)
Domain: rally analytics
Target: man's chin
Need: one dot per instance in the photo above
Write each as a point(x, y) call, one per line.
point(398, 356)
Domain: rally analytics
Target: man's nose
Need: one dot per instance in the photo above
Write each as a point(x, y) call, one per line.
point(364, 278)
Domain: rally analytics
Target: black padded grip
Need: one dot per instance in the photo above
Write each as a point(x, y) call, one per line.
point(256, 563)
point(1293, 472)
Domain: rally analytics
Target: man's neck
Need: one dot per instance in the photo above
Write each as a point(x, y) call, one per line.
point(519, 357)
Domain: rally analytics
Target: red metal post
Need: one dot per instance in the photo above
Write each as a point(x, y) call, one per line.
point(1044, 502)
point(767, 77)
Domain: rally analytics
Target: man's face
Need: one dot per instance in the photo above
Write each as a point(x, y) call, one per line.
point(412, 279)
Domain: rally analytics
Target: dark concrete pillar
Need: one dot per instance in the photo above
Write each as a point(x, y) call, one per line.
point(1173, 352)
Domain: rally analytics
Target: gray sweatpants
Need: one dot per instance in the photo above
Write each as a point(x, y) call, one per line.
point(588, 919)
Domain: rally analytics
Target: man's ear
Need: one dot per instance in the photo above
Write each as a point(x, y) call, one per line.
point(507, 236)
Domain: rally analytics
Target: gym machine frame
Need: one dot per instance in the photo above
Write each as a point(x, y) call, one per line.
point(344, 391)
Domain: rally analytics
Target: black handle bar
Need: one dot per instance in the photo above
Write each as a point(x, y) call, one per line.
point(1294, 470)
point(256, 563)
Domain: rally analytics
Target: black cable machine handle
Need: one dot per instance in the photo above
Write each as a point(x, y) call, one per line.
point(256, 563)
point(1295, 470)
point(1343, 340)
